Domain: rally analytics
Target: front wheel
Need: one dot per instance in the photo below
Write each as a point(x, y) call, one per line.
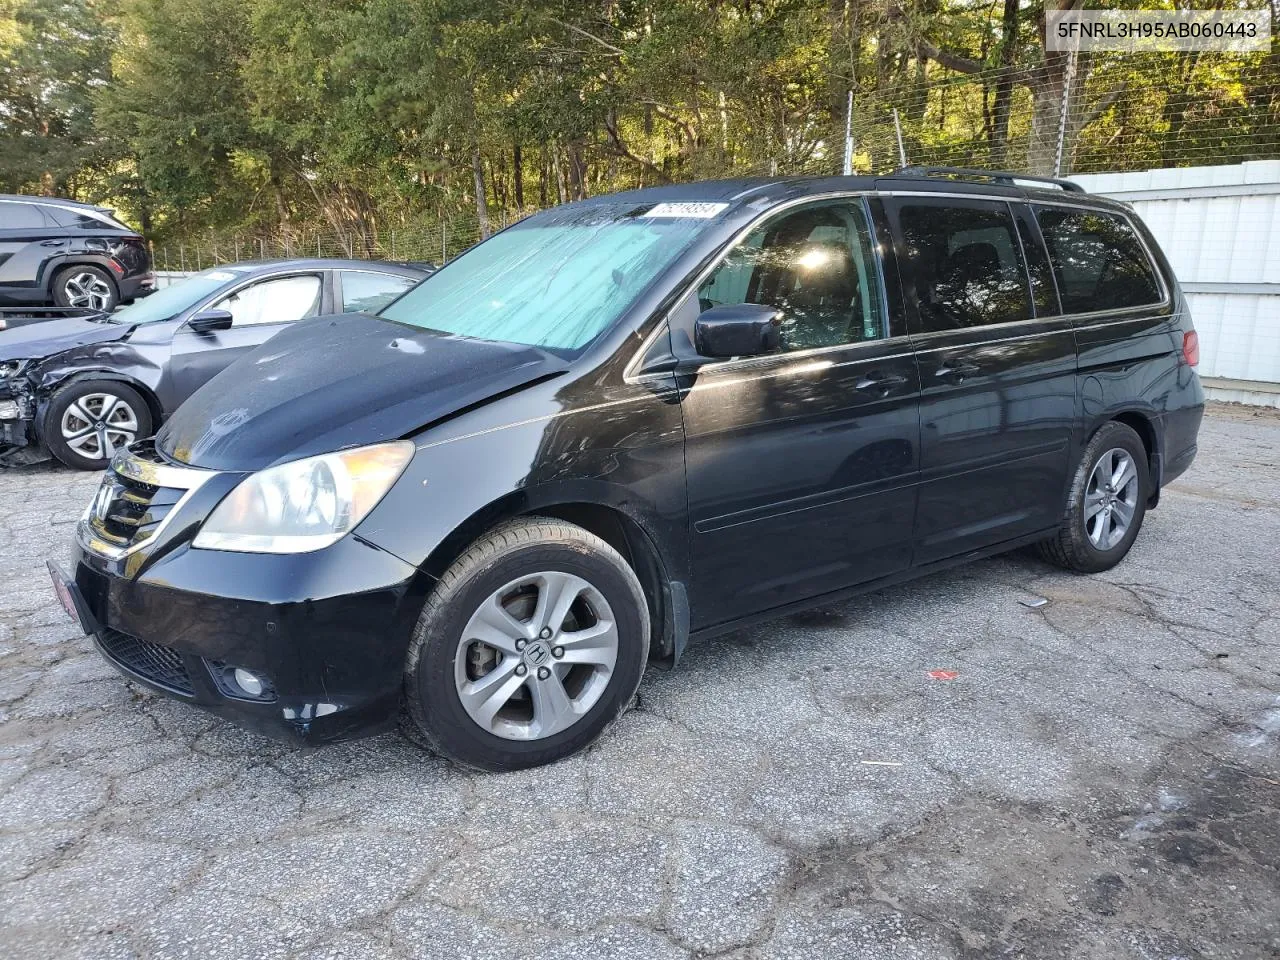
point(89, 420)
point(1106, 505)
point(533, 642)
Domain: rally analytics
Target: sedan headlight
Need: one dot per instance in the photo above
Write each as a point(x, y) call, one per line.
point(304, 505)
point(11, 368)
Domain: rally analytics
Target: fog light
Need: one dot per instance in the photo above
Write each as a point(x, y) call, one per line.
point(250, 683)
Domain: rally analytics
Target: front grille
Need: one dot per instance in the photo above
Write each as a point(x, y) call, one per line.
point(127, 510)
point(160, 665)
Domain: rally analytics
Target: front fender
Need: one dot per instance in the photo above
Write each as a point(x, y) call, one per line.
point(631, 461)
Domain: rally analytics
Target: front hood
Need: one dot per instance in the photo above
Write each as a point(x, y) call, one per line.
point(35, 341)
point(337, 382)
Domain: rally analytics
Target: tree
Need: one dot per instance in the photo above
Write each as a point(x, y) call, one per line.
point(54, 55)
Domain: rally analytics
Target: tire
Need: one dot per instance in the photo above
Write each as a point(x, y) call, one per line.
point(516, 567)
point(86, 287)
point(87, 421)
point(1095, 534)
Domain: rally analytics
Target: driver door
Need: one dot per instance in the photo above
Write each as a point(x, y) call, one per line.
point(800, 464)
point(259, 311)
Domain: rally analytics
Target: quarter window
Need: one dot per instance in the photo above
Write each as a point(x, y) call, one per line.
point(1098, 260)
point(816, 265)
point(966, 263)
point(370, 292)
point(274, 301)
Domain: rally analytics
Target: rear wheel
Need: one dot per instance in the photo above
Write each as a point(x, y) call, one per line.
point(86, 287)
point(1107, 503)
point(533, 642)
point(87, 422)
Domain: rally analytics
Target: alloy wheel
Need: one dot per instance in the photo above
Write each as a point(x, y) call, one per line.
point(98, 424)
point(1110, 498)
point(87, 289)
point(536, 656)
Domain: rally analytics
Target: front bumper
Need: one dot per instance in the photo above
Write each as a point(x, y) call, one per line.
point(18, 441)
point(329, 630)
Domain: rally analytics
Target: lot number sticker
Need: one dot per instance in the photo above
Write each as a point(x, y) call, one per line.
point(696, 211)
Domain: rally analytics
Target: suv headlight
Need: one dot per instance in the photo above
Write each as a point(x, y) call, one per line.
point(304, 505)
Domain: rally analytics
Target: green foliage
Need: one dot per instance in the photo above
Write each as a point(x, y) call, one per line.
point(54, 55)
point(357, 119)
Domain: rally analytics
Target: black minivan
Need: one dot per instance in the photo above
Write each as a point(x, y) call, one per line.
point(634, 421)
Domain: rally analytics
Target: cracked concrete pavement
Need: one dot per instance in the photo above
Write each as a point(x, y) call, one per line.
point(1101, 779)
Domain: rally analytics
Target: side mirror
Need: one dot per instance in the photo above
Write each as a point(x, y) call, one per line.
point(207, 321)
point(738, 330)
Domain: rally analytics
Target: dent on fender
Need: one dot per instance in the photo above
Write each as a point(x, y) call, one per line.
point(126, 363)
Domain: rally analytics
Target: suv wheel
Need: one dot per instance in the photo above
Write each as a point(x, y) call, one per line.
point(1107, 503)
point(533, 642)
point(86, 287)
point(88, 421)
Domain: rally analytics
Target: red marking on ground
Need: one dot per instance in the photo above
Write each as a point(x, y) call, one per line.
point(943, 674)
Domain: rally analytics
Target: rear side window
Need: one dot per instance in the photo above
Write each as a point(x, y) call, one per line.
point(21, 216)
point(966, 263)
point(1098, 260)
point(83, 219)
point(369, 292)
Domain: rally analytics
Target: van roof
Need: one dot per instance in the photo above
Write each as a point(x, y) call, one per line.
point(949, 180)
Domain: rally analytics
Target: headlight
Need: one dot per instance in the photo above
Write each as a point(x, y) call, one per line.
point(11, 368)
point(304, 505)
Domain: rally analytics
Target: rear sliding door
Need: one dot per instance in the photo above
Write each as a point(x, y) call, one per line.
point(997, 368)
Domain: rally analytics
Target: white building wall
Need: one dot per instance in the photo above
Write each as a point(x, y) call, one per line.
point(1220, 228)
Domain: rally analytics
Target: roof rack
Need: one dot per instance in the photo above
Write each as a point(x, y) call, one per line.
point(1005, 178)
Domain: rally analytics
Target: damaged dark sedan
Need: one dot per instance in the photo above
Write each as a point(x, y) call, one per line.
point(80, 388)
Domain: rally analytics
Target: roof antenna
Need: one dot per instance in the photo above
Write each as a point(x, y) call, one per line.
point(897, 125)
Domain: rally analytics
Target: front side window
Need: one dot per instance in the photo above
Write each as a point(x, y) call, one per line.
point(816, 265)
point(273, 301)
point(1098, 260)
point(557, 280)
point(364, 292)
point(966, 264)
point(21, 216)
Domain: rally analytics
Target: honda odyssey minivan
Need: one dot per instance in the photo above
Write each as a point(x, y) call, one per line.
point(631, 422)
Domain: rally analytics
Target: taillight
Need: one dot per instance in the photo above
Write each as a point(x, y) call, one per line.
point(1191, 348)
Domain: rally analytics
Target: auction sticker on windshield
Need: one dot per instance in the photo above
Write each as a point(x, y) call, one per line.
point(694, 210)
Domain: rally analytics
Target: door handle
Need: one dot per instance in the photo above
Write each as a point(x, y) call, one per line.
point(881, 382)
point(957, 371)
point(52, 243)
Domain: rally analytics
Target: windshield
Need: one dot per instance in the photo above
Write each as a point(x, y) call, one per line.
point(170, 301)
point(558, 279)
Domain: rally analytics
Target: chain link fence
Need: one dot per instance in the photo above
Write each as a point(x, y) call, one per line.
point(435, 242)
point(1078, 113)
point(1081, 113)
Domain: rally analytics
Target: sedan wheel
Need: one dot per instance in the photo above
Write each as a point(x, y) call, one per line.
point(536, 656)
point(88, 290)
point(97, 424)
